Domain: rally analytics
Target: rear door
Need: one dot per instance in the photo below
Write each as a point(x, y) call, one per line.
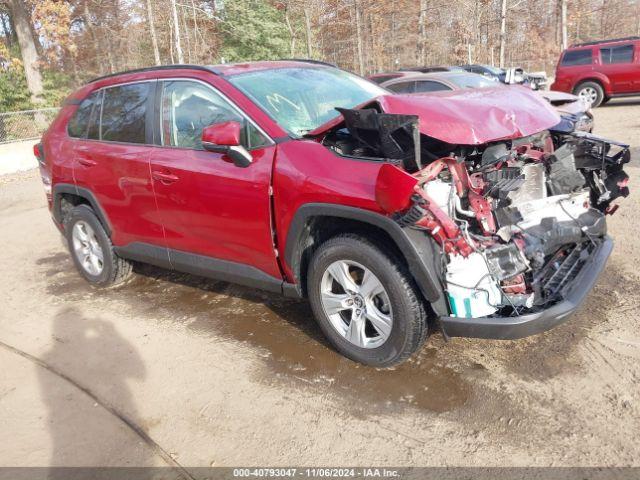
point(111, 160)
point(210, 207)
point(617, 63)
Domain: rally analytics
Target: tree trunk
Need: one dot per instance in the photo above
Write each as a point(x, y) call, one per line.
point(292, 35)
point(563, 23)
point(503, 31)
point(176, 31)
point(22, 22)
point(422, 33)
point(359, 38)
point(154, 38)
point(307, 25)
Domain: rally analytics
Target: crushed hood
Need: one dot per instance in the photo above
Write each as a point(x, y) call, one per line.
point(470, 117)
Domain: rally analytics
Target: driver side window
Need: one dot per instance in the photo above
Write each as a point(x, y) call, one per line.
point(188, 107)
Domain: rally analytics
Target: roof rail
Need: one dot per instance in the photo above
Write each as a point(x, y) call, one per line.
point(611, 40)
point(308, 60)
point(157, 67)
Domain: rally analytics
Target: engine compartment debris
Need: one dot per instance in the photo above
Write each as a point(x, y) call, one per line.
point(515, 218)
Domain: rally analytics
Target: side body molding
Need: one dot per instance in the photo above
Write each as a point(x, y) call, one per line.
point(419, 250)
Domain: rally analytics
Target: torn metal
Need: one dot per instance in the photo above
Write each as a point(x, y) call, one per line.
point(516, 207)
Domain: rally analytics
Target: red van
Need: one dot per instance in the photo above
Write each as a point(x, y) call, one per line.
point(599, 71)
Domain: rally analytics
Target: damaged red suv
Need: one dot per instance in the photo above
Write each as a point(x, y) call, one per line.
point(302, 179)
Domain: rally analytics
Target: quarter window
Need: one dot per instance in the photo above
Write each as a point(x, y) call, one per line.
point(404, 87)
point(621, 54)
point(124, 113)
point(576, 57)
point(188, 107)
point(84, 123)
point(429, 86)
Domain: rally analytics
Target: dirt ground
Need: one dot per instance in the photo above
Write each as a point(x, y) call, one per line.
point(173, 368)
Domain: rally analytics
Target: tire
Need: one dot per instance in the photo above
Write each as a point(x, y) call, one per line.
point(87, 239)
point(398, 308)
point(591, 91)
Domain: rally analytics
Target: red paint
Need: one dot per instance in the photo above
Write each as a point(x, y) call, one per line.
point(394, 188)
point(441, 227)
point(470, 117)
point(226, 133)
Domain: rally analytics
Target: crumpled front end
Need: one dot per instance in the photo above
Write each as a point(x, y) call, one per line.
point(520, 222)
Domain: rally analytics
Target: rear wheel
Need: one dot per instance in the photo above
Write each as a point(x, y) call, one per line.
point(366, 302)
point(92, 250)
point(591, 91)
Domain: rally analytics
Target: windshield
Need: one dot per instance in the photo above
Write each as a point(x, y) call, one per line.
point(471, 81)
point(302, 99)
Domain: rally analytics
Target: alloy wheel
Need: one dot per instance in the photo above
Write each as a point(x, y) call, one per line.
point(356, 303)
point(589, 94)
point(87, 248)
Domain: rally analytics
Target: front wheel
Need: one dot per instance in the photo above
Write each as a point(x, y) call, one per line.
point(365, 302)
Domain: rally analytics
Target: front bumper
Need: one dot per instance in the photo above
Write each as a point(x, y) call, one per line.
point(508, 328)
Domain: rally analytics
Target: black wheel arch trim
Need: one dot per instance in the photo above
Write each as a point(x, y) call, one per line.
point(417, 248)
point(69, 188)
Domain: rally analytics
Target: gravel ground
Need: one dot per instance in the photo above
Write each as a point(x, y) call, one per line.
point(207, 373)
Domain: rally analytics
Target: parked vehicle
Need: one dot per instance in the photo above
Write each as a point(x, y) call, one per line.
point(495, 73)
point(599, 71)
point(432, 68)
point(304, 180)
point(403, 72)
point(575, 112)
point(383, 77)
point(514, 75)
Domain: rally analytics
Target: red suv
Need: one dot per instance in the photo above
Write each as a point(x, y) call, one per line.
point(599, 71)
point(302, 179)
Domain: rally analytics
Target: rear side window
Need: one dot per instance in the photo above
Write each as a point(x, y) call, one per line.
point(429, 86)
point(405, 87)
point(621, 54)
point(84, 123)
point(124, 113)
point(576, 57)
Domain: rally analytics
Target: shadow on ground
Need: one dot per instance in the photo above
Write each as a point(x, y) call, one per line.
point(83, 431)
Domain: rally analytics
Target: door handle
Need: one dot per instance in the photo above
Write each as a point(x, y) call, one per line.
point(165, 178)
point(87, 162)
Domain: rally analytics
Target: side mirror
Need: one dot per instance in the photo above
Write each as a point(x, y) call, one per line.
point(225, 138)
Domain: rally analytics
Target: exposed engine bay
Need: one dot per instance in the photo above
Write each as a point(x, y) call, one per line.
point(515, 219)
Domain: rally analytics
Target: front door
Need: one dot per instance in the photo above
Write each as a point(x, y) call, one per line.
point(210, 207)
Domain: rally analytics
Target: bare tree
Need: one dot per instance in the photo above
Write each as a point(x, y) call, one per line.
point(422, 33)
point(22, 22)
point(176, 31)
point(356, 6)
point(152, 29)
point(563, 23)
point(503, 30)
